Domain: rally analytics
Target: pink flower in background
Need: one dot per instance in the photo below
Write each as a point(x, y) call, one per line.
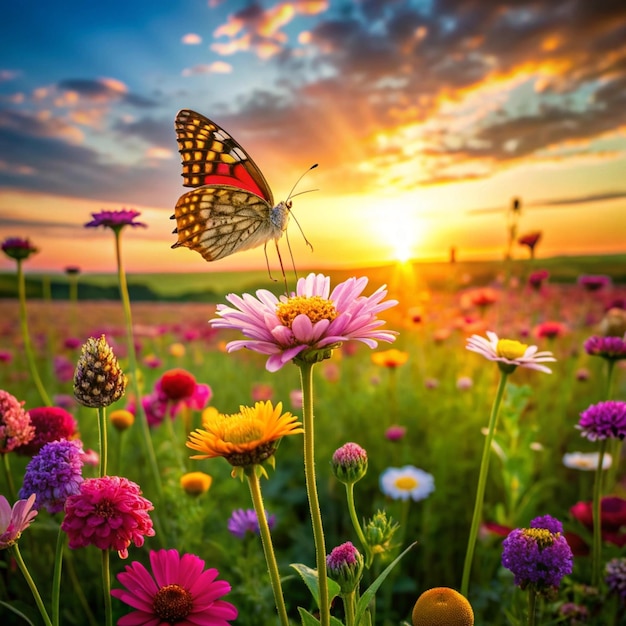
point(550, 330)
point(51, 423)
point(16, 428)
point(14, 520)
point(538, 278)
point(115, 220)
point(594, 282)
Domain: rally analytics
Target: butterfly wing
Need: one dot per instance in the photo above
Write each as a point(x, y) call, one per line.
point(210, 156)
point(220, 220)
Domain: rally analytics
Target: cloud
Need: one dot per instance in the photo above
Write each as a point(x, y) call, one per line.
point(191, 39)
point(102, 91)
point(217, 67)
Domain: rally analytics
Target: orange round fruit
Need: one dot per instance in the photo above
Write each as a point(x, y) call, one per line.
point(442, 606)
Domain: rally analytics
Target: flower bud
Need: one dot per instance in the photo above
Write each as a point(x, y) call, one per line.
point(349, 463)
point(98, 379)
point(379, 532)
point(345, 567)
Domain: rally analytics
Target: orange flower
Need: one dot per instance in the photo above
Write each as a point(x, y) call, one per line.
point(442, 606)
point(245, 438)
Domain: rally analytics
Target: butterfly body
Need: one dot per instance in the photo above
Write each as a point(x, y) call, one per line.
point(231, 207)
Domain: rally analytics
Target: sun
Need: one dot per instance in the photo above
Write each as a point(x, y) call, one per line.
point(402, 231)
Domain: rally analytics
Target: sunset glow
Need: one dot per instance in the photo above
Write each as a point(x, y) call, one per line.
point(425, 124)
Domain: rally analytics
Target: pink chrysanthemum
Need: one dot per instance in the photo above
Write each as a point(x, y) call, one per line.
point(51, 423)
point(307, 323)
point(109, 513)
point(115, 220)
point(179, 591)
point(18, 248)
point(509, 353)
point(16, 428)
point(13, 521)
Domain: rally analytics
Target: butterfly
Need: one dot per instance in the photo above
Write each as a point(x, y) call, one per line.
point(231, 207)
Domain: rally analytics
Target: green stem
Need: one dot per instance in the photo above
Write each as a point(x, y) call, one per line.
point(132, 364)
point(532, 606)
point(610, 369)
point(597, 521)
point(306, 378)
point(357, 526)
point(104, 446)
point(28, 348)
point(106, 586)
point(32, 585)
point(482, 482)
point(266, 540)
point(7, 474)
point(56, 577)
point(349, 601)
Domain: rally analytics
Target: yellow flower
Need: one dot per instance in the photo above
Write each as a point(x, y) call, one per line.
point(442, 606)
point(195, 483)
point(390, 358)
point(245, 438)
point(177, 350)
point(121, 419)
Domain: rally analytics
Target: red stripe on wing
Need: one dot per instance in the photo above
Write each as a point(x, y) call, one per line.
point(237, 176)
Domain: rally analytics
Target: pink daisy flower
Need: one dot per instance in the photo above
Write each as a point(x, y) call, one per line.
point(13, 521)
point(509, 354)
point(109, 513)
point(309, 321)
point(179, 591)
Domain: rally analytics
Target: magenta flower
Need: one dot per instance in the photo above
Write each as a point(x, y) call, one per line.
point(349, 463)
point(51, 423)
point(13, 521)
point(509, 354)
point(610, 348)
point(594, 282)
point(16, 428)
point(604, 420)
point(115, 220)
point(309, 323)
point(109, 513)
point(178, 591)
point(18, 248)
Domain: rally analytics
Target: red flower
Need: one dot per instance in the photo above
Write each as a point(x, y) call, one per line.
point(51, 424)
point(177, 384)
point(612, 515)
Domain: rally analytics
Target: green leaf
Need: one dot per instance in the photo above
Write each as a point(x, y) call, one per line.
point(12, 608)
point(368, 596)
point(309, 576)
point(309, 620)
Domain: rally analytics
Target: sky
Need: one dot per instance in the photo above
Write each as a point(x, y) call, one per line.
point(427, 118)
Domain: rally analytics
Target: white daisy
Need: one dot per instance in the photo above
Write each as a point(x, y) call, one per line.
point(509, 353)
point(586, 461)
point(402, 483)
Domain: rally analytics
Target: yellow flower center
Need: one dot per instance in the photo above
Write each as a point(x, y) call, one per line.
point(406, 483)
point(542, 536)
point(510, 349)
point(240, 428)
point(314, 307)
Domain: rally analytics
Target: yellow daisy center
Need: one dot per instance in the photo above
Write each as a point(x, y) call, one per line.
point(240, 428)
point(314, 307)
point(510, 349)
point(406, 483)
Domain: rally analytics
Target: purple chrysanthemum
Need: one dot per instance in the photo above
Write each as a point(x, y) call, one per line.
point(604, 420)
point(177, 591)
point(115, 220)
point(243, 521)
point(54, 474)
point(612, 348)
point(107, 512)
point(309, 323)
point(537, 557)
point(548, 522)
point(615, 576)
point(18, 248)
point(16, 428)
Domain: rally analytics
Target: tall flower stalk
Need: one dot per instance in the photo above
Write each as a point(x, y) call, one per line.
point(509, 355)
point(19, 250)
point(116, 221)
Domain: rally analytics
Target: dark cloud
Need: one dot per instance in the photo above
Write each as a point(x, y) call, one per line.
point(102, 90)
point(155, 132)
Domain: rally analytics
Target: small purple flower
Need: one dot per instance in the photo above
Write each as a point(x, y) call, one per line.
point(548, 522)
point(604, 420)
point(243, 521)
point(615, 577)
point(345, 566)
point(611, 348)
point(18, 248)
point(54, 474)
point(395, 432)
point(537, 557)
point(115, 220)
point(592, 282)
point(349, 463)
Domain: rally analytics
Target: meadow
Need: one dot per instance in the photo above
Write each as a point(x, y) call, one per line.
point(422, 401)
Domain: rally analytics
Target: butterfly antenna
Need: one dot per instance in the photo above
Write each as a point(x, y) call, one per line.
point(291, 195)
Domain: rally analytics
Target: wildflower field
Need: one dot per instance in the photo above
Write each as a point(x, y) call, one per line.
point(414, 422)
